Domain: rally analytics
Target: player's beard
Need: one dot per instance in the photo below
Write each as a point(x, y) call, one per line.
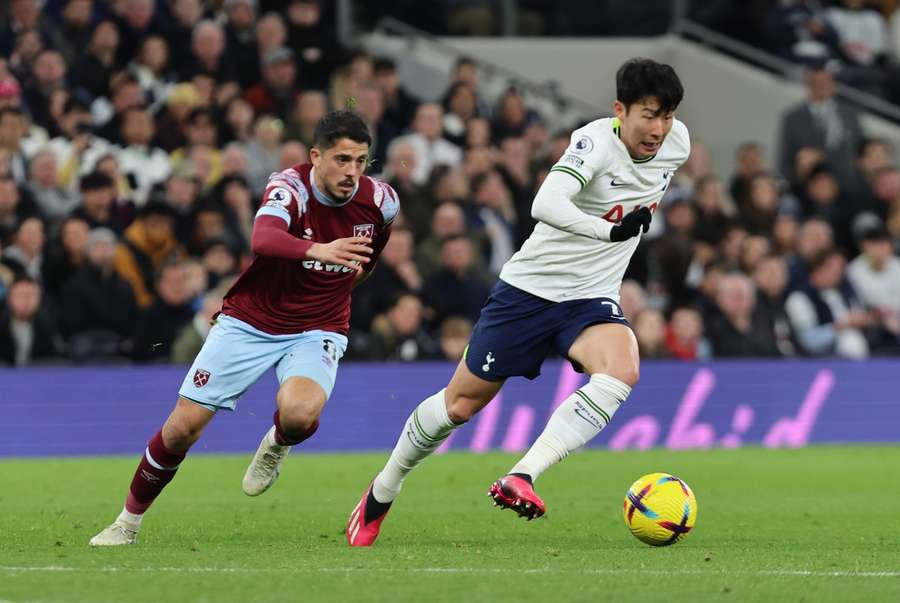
point(338, 194)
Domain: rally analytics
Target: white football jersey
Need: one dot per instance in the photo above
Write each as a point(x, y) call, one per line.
point(560, 266)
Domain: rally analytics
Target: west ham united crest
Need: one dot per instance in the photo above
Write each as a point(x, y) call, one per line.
point(201, 378)
point(364, 230)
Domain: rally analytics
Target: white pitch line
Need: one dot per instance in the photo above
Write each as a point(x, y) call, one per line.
point(459, 570)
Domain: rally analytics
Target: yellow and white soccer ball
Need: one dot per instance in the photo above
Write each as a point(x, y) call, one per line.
point(660, 509)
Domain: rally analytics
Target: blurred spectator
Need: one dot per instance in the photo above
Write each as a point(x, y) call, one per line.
point(863, 36)
point(25, 15)
point(65, 255)
point(12, 129)
point(370, 106)
point(427, 139)
point(447, 220)
point(240, 42)
point(309, 108)
point(753, 249)
point(398, 334)
point(632, 298)
point(25, 256)
point(98, 311)
point(749, 161)
point(186, 14)
point(494, 215)
point(53, 201)
point(263, 152)
point(826, 315)
point(99, 206)
point(109, 115)
point(650, 331)
point(714, 211)
point(455, 333)
point(456, 289)
point(94, 69)
point(770, 276)
point(519, 178)
point(148, 244)
point(813, 237)
point(160, 323)
point(314, 43)
point(26, 333)
point(171, 123)
point(201, 131)
point(292, 153)
point(277, 91)
point(153, 71)
point(208, 54)
point(76, 147)
point(416, 204)
point(146, 164)
point(190, 339)
point(512, 116)
point(137, 19)
point(400, 104)
point(684, 335)
point(875, 274)
point(799, 32)
point(759, 207)
point(49, 72)
point(672, 253)
point(270, 33)
point(736, 330)
point(220, 260)
point(14, 208)
point(460, 105)
point(396, 273)
point(821, 121)
point(874, 154)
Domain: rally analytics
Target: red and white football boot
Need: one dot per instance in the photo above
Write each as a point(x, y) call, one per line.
point(517, 493)
point(365, 520)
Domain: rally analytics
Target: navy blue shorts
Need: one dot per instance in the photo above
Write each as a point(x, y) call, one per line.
point(517, 331)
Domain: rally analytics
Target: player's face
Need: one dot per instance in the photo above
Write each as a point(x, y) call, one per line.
point(644, 126)
point(339, 168)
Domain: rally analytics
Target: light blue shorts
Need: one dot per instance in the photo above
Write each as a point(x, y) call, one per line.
point(235, 355)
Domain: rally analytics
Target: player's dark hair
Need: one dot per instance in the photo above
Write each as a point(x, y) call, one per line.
point(640, 78)
point(340, 124)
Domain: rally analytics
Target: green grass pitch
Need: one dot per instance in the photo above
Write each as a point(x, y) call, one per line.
point(817, 524)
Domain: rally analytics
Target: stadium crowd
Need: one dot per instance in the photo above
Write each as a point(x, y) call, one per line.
point(136, 138)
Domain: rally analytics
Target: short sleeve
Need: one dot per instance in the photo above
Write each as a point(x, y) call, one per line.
point(386, 199)
point(284, 198)
point(584, 157)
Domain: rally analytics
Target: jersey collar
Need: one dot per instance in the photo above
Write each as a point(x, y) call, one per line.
point(617, 127)
point(325, 199)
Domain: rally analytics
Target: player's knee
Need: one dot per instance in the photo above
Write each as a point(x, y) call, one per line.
point(629, 373)
point(179, 435)
point(298, 417)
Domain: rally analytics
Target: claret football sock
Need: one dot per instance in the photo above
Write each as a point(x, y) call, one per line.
point(575, 422)
point(289, 438)
point(156, 469)
point(426, 428)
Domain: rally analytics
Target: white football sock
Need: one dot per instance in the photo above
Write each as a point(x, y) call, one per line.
point(575, 422)
point(132, 521)
point(426, 428)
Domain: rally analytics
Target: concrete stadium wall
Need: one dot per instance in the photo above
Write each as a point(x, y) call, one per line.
point(115, 410)
point(726, 101)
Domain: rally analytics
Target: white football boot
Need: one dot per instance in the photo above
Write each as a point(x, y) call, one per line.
point(115, 535)
point(264, 468)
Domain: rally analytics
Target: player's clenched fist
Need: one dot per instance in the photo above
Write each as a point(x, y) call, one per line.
point(347, 252)
point(631, 225)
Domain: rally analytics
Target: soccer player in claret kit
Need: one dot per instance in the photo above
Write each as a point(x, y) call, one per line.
point(318, 232)
point(558, 292)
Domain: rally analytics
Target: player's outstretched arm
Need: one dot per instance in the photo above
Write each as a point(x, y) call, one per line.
point(553, 206)
point(272, 239)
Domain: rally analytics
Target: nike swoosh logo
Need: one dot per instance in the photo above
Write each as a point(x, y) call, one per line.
point(614, 183)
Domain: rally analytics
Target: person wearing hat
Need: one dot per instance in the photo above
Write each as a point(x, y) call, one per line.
point(276, 92)
point(97, 305)
point(148, 244)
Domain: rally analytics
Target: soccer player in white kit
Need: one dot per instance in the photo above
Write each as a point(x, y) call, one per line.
point(559, 292)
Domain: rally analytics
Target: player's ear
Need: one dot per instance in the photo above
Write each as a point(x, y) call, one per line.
point(619, 109)
point(315, 156)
